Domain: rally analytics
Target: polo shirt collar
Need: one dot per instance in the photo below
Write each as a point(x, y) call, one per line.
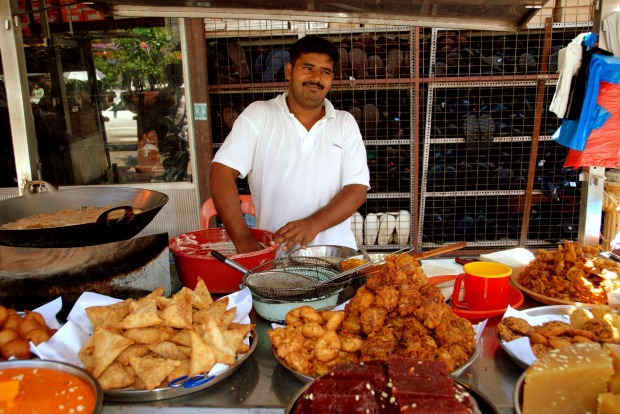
point(330, 111)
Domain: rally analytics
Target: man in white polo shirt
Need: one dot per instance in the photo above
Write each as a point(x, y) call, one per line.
point(305, 161)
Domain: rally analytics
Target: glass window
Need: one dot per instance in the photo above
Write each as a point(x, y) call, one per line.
point(108, 106)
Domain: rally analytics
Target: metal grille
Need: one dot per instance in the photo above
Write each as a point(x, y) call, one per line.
point(452, 120)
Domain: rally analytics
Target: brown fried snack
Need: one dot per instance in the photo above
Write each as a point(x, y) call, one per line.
point(552, 328)
point(517, 325)
point(540, 349)
point(396, 313)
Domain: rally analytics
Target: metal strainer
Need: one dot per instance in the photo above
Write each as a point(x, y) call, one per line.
point(289, 278)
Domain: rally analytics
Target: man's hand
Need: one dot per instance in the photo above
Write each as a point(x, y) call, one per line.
point(296, 232)
point(248, 246)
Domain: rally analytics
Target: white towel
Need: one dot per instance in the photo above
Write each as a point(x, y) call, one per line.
point(569, 61)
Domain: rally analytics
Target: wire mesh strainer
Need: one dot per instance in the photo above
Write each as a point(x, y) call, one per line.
point(293, 278)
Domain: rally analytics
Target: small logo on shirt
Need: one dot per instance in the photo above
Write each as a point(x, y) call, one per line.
point(336, 145)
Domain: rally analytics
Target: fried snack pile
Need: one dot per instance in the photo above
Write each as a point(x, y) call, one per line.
point(396, 313)
point(16, 332)
point(599, 324)
point(573, 273)
point(146, 343)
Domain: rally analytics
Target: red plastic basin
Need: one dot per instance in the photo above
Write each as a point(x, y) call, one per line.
point(193, 260)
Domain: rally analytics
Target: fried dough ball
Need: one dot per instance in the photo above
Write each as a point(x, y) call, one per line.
point(298, 362)
point(18, 348)
point(36, 316)
point(28, 324)
point(36, 336)
point(327, 347)
point(313, 330)
point(4, 314)
point(7, 335)
point(12, 322)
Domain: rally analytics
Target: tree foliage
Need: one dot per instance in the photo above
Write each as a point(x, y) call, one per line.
point(139, 58)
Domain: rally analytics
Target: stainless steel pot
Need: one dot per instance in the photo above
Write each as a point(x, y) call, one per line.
point(105, 230)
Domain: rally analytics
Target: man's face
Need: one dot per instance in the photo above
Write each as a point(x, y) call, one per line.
point(310, 78)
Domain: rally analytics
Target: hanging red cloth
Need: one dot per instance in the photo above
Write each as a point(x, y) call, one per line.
point(603, 144)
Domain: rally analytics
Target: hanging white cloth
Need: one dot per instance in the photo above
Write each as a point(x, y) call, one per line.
point(611, 28)
point(569, 61)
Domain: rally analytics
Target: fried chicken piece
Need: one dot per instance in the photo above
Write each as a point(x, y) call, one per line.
point(379, 345)
point(363, 298)
point(455, 330)
point(431, 313)
point(351, 324)
point(387, 298)
point(453, 355)
point(432, 292)
point(372, 319)
point(409, 300)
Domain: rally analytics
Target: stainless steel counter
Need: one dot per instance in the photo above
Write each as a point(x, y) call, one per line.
point(262, 386)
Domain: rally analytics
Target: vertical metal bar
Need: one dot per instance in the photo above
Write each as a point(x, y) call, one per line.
point(540, 98)
point(414, 47)
point(18, 96)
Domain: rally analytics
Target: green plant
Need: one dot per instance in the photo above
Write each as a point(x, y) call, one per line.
point(139, 56)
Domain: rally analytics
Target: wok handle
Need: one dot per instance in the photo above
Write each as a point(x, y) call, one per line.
point(104, 218)
point(219, 256)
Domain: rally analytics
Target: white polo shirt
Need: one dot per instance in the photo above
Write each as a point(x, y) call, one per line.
point(293, 172)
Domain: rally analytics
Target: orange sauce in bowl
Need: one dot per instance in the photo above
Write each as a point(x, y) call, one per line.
point(43, 391)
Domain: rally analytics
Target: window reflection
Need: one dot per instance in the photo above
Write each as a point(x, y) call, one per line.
point(108, 107)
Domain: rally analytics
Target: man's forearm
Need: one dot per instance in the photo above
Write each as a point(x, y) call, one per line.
point(341, 207)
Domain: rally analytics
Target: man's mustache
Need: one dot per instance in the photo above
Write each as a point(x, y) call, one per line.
point(318, 85)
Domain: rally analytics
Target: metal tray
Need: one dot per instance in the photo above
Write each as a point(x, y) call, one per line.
point(131, 395)
point(308, 378)
point(552, 312)
point(484, 403)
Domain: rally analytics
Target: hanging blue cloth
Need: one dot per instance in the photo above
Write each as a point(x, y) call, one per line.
point(574, 133)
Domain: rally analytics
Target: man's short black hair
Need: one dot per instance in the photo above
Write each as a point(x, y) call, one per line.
point(313, 44)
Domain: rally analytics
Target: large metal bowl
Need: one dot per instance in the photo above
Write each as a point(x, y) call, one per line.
point(146, 203)
point(63, 367)
point(332, 253)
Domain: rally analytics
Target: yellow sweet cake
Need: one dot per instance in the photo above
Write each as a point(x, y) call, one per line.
point(567, 380)
point(614, 351)
point(608, 403)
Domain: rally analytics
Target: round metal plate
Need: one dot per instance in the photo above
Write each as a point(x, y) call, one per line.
point(484, 403)
point(553, 312)
point(131, 395)
point(307, 378)
point(542, 298)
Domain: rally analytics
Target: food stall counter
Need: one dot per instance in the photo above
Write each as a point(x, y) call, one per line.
point(262, 386)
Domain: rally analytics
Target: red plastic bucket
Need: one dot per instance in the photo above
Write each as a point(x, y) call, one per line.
point(193, 260)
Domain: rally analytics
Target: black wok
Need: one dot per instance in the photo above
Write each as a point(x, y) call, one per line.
point(105, 230)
